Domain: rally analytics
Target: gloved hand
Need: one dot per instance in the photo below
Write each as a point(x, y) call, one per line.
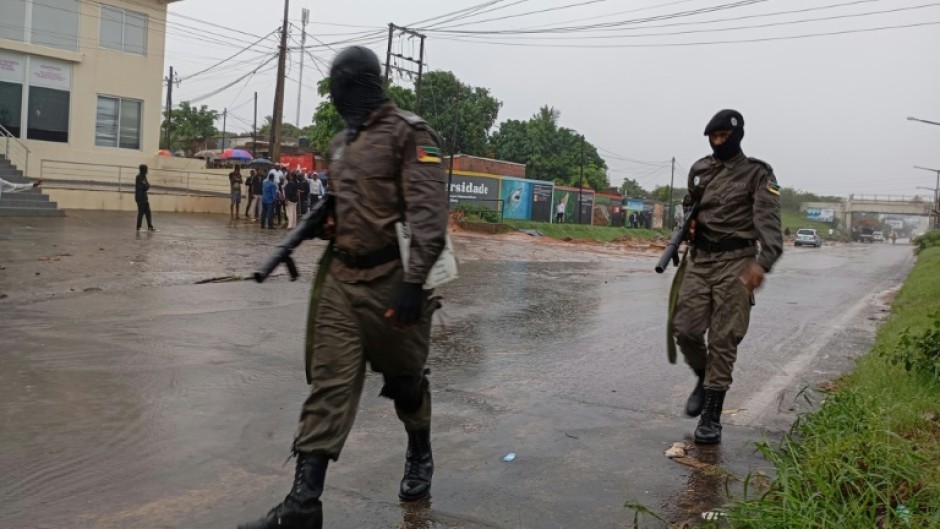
point(407, 305)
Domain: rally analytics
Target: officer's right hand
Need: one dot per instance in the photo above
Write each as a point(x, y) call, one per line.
point(692, 225)
point(405, 308)
point(329, 228)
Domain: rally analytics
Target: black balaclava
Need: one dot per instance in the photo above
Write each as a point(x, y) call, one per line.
point(356, 87)
point(727, 120)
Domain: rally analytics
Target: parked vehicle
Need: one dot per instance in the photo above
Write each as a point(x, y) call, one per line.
point(807, 237)
point(865, 235)
point(878, 237)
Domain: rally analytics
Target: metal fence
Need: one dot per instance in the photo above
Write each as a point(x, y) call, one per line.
point(14, 150)
point(92, 176)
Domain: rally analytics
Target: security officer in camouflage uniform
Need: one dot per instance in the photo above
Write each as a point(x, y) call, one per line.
point(384, 168)
point(736, 239)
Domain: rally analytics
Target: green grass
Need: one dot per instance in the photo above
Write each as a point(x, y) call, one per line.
point(872, 446)
point(583, 231)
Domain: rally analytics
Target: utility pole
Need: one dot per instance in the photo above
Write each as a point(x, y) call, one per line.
point(169, 106)
point(453, 147)
point(304, 17)
point(224, 126)
point(419, 61)
point(672, 178)
point(254, 130)
point(279, 92)
point(580, 178)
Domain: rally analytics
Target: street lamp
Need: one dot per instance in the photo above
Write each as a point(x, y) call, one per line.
point(909, 118)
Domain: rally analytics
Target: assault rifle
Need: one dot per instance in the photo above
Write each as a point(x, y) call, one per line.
point(671, 253)
point(310, 226)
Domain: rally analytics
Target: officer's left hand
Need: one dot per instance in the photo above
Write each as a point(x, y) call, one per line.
point(405, 309)
point(752, 276)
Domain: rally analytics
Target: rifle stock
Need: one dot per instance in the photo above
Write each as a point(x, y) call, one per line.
point(671, 253)
point(310, 226)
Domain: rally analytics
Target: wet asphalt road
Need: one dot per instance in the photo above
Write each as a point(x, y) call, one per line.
point(153, 402)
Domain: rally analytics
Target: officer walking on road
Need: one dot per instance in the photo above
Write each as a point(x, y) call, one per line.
point(385, 167)
point(736, 239)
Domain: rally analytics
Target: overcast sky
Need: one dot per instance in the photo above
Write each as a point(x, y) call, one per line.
point(828, 113)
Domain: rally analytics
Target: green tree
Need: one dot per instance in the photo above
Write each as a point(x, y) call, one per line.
point(190, 126)
point(661, 193)
point(550, 152)
point(478, 110)
point(288, 130)
point(632, 188)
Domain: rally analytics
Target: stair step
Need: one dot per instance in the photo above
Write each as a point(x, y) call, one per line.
point(11, 202)
point(30, 212)
point(31, 194)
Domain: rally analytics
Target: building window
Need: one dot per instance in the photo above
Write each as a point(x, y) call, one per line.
point(48, 115)
point(52, 23)
point(11, 103)
point(123, 30)
point(118, 123)
point(55, 23)
point(13, 15)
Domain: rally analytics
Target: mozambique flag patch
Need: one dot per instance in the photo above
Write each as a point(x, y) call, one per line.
point(429, 155)
point(773, 187)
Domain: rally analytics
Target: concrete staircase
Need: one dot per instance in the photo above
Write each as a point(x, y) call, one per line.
point(32, 203)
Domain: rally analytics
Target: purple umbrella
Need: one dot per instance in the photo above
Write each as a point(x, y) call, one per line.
point(236, 154)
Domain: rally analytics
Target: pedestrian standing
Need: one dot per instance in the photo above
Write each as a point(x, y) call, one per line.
point(268, 199)
point(370, 310)
point(560, 212)
point(235, 182)
point(303, 193)
point(279, 204)
point(141, 188)
point(258, 190)
point(316, 188)
point(739, 206)
point(291, 196)
point(249, 192)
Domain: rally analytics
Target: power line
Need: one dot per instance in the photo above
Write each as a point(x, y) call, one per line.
point(236, 54)
point(739, 28)
point(702, 43)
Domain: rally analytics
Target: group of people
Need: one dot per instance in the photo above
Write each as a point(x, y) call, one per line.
point(640, 219)
point(275, 198)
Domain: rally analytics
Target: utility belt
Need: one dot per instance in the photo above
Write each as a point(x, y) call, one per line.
point(725, 245)
point(363, 261)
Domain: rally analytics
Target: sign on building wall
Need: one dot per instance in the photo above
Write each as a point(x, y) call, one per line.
point(50, 73)
point(12, 66)
point(482, 190)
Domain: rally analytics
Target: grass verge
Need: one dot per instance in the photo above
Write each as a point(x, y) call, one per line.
point(584, 232)
point(870, 457)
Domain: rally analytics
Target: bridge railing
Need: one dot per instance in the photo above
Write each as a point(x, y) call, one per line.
point(890, 198)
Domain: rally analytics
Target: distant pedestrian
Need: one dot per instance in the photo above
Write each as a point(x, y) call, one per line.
point(249, 192)
point(291, 196)
point(560, 213)
point(258, 189)
point(268, 199)
point(316, 188)
point(235, 181)
point(141, 187)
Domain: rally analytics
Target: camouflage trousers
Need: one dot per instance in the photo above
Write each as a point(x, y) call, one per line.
point(351, 331)
point(713, 301)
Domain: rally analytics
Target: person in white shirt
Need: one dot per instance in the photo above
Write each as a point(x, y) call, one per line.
point(10, 187)
point(560, 213)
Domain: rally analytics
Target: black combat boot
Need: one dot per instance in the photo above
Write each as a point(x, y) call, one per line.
point(693, 406)
point(419, 467)
point(301, 509)
point(709, 425)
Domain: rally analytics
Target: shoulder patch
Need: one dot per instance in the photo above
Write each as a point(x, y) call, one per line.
point(428, 154)
point(762, 163)
point(410, 117)
point(773, 187)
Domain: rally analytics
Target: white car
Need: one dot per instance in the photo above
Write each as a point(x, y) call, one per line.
point(878, 236)
point(807, 237)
